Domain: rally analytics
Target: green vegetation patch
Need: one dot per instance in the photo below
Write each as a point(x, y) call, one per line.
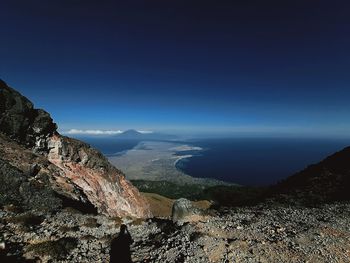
point(234, 195)
point(170, 189)
point(27, 220)
point(57, 249)
point(221, 195)
point(66, 229)
point(91, 222)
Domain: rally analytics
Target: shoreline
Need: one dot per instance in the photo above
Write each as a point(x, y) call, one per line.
point(181, 157)
point(178, 157)
point(159, 161)
point(202, 180)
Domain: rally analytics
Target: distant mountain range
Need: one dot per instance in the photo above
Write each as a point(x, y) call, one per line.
point(153, 136)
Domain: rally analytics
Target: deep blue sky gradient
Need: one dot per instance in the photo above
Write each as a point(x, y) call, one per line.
point(249, 67)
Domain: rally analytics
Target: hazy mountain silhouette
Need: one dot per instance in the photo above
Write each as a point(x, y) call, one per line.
point(154, 136)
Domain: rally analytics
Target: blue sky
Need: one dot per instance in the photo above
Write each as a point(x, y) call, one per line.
point(224, 67)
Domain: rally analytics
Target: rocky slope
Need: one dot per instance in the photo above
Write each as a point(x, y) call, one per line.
point(271, 231)
point(268, 232)
point(32, 145)
point(326, 181)
point(51, 187)
point(263, 233)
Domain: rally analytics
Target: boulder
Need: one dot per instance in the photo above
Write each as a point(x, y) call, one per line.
point(184, 211)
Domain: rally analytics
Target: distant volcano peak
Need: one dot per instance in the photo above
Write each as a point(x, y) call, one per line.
point(139, 135)
point(132, 131)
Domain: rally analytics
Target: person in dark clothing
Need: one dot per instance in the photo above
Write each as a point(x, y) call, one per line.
point(120, 247)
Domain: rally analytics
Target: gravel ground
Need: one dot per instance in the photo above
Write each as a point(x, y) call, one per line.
point(264, 233)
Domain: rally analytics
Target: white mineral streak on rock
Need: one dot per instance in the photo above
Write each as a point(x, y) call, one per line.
point(105, 186)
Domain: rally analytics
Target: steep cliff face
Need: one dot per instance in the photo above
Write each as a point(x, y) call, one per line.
point(104, 185)
point(30, 142)
point(30, 181)
point(21, 122)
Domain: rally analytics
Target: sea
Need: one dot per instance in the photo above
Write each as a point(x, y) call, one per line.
point(245, 161)
point(110, 146)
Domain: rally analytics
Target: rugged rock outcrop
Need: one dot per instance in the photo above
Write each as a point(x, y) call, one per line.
point(29, 181)
point(18, 190)
point(21, 122)
point(33, 151)
point(104, 185)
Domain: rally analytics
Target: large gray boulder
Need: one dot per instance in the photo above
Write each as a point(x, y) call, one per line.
point(183, 210)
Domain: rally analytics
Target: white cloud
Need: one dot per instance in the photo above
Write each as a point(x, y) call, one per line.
point(93, 132)
point(145, 132)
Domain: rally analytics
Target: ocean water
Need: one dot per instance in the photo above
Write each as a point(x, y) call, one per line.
point(253, 161)
point(247, 161)
point(108, 145)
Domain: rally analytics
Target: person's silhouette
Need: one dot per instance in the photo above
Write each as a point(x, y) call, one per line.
point(120, 247)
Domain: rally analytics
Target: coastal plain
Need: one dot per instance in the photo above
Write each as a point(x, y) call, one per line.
point(156, 161)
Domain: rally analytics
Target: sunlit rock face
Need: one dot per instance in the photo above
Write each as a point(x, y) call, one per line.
point(74, 167)
point(104, 185)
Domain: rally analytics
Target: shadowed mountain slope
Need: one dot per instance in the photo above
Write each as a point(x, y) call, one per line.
point(326, 181)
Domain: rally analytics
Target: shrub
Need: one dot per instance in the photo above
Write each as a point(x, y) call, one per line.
point(26, 220)
point(65, 229)
point(91, 222)
point(57, 249)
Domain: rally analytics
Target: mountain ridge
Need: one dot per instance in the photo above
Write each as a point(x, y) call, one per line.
point(325, 181)
point(75, 166)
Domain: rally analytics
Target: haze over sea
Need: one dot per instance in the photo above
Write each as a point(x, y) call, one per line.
point(246, 161)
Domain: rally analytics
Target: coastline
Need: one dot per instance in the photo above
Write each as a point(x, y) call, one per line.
point(159, 161)
point(180, 158)
point(251, 162)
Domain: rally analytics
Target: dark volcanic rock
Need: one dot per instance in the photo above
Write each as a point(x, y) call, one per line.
point(22, 190)
point(10, 182)
point(21, 122)
point(29, 181)
point(28, 177)
point(326, 181)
